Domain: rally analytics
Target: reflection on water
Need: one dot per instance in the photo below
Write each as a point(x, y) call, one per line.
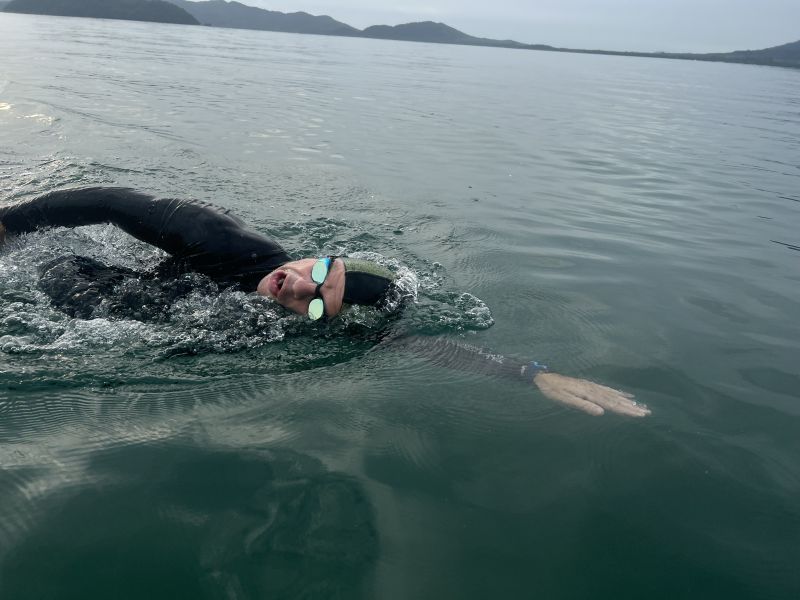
point(172, 520)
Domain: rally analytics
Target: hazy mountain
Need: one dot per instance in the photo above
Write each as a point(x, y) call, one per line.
point(437, 33)
point(426, 31)
point(218, 13)
point(131, 10)
point(234, 14)
point(784, 55)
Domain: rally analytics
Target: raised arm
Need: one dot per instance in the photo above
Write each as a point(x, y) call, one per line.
point(582, 394)
point(170, 224)
point(134, 212)
point(205, 237)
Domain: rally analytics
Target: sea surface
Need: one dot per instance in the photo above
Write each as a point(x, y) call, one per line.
point(631, 221)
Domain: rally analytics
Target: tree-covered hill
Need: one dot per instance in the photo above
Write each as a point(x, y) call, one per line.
point(131, 10)
point(218, 13)
point(785, 55)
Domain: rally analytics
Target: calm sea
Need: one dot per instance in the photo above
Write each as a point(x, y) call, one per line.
point(631, 221)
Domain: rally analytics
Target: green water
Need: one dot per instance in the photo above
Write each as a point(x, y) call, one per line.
point(630, 221)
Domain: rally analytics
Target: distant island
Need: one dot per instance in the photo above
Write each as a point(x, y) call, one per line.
point(157, 11)
point(219, 13)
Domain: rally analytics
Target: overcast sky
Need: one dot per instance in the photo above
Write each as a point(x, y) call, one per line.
point(649, 25)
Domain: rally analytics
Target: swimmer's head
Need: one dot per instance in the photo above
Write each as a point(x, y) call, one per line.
point(348, 281)
point(366, 282)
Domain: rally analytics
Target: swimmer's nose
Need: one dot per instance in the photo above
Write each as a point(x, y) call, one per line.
point(303, 288)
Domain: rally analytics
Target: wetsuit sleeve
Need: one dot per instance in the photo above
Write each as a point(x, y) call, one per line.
point(463, 357)
point(199, 236)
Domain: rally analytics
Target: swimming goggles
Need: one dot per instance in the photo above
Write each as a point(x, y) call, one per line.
point(319, 272)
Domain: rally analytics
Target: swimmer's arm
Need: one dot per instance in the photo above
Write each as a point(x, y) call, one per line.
point(581, 394)
point(197, 232)
point(71, 208)
point(161, 222)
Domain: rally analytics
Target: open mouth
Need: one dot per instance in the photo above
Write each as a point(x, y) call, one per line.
point(277, 282)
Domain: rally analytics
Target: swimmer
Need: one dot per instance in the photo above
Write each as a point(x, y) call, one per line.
point(203, 238)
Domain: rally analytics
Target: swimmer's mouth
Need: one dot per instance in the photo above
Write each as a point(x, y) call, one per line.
point(276, 285)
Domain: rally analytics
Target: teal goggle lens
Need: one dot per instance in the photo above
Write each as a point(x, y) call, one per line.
point(316, 309)
point(320, 270)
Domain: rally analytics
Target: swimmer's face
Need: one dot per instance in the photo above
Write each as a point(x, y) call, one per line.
point(291, 285)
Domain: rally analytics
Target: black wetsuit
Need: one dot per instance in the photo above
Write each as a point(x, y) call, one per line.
point(199, 237)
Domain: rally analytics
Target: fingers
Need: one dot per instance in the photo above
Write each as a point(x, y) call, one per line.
point(629, 408)
point(620, 403)
point(614, 400)
point(593, 387)
point(579, 403)
point(552, 387)
point(635, 409)
point(588, 396)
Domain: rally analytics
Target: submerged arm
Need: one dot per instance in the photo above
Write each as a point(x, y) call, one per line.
point(582, 394)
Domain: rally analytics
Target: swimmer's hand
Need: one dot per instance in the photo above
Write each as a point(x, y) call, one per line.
point(588, 396)
point(2, 233)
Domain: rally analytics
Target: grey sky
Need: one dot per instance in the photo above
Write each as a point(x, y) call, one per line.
point(671, 25)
